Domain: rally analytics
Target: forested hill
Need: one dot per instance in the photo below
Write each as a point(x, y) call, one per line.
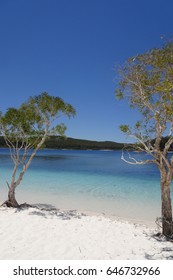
point(55, 142)
point(72, 143)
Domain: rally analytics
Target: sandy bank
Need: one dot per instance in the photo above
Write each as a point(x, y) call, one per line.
point(53, 234)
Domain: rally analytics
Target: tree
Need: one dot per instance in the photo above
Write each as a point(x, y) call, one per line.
point(146, 81)
point(25, 130)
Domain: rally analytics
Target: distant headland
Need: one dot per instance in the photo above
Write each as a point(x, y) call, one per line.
point(57, 142)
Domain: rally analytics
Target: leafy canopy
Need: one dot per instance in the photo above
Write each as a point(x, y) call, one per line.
point(147, 83)
point(34, 119)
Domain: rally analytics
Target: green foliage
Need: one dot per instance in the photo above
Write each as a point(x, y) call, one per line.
point(26, 129)
point(48, 106)
point(57, 142)
point(33, 119)
point(153, 70)
point(59, 129)
point(119, 94)
point(61, 142)
point(125, 128)
point(147, 83)
point(138, 125)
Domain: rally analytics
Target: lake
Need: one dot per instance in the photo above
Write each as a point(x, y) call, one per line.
point(96, 181)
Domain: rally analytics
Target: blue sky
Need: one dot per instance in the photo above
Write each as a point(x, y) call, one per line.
point(69, 48)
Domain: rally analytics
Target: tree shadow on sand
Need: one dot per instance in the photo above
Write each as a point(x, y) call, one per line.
point(47, 210)
point(164, 253)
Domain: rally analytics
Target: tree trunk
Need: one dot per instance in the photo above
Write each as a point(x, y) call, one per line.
point(167, 222)
point(12, 202)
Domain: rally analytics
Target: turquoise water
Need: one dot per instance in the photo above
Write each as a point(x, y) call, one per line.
point(97, 181)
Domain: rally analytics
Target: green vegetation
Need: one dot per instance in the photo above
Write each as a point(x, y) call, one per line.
point(78, 144)
point(58, 142)
point(25, 130)
point(147, 85)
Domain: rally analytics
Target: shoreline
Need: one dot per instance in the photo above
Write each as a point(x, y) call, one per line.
point(56, 181)
point(51, 207)
point(56, 234)
point(113, 217)
point(79, 204)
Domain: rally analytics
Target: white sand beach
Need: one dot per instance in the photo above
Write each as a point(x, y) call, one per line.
point(51, 234)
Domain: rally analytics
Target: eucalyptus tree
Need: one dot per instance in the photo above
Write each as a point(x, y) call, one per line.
point(146, 82)
point(25, 130)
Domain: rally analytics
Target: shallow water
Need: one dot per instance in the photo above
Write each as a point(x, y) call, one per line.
point(97, 181)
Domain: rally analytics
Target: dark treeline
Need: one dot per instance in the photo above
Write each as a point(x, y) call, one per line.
point(56, 142)
point(72, 143)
